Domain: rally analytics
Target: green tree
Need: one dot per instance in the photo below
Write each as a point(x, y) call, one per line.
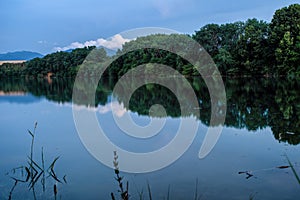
point(288, 54)
point(252, 46)
point(209, 36)
point(285, 38)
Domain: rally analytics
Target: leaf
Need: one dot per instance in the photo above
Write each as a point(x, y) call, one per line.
point(65, 179)
point(53, 163)
point(32, 167)
point(19, 180)
point(35, 164)
point(55, 177)
point(283, 167)
point(30, 133)
point(28, 173)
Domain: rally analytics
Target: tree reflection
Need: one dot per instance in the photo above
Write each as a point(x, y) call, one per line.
point(252, 103)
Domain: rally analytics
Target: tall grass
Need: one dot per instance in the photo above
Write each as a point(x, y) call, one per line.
point(35, 172)
point(293, 169)
point(168, 194)
point(123, 191)
point(149, 191)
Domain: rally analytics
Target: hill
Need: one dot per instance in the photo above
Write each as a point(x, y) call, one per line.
point(20, 55)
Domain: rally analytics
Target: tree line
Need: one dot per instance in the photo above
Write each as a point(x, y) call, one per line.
point(256, 47)
point(253, 47)
point(60, 64)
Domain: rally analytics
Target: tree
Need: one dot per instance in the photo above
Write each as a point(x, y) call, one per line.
point(252, 47)
point(288, 54)
point(209, 36)
point(285, 38)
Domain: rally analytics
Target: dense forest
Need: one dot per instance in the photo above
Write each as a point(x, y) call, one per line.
point(252, 47)
point(63, 64)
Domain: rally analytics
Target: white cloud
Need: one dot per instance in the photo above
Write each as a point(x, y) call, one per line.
point(114, 43)
point(115, 107)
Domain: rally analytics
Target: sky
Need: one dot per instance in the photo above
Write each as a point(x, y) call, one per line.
point(46, 26)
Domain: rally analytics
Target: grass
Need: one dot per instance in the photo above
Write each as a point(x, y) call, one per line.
point(293, 169)
point(124, 193)
point(33, 172)
point(168, 194)
point(149, 191)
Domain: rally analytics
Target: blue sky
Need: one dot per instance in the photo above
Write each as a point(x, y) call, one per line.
point(47, 25)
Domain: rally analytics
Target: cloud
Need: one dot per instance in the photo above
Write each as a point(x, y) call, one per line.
point(114, 43)
point(115, 107)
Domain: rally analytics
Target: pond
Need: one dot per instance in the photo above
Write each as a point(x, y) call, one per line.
point(249, 161)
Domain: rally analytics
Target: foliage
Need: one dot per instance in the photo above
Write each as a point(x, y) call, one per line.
point(59, 64)
point(285, 39)
point(34, 172)
point(255, 47)
point(11, 69)
point(252, 47)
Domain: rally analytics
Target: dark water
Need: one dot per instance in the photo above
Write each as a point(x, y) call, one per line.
point(261, 128)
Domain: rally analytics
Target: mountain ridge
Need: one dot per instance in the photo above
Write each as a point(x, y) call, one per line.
point(20, 55)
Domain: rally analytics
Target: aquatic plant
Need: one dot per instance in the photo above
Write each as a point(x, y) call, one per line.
point(123, 192)
point(250, 173)
point(293, 169)
point(33, 172)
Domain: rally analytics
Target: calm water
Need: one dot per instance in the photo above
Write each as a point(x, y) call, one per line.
point(262, 125)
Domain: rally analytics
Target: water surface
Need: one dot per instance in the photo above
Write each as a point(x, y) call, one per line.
point(261, 127)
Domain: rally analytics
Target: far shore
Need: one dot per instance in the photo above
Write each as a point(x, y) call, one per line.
point(14, 93)
point(11, 61)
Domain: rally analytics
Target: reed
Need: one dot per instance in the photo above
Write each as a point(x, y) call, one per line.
point(252, 196)
point(293, 169)
point(168, 194)
point(35, 172)
point(149, 191)
point(123, 192)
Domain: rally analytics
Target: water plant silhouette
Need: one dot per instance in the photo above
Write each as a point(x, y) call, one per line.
point(293, 169)
point(32, 172)
point(124, 192)
point(250, 173)
point(119, 179)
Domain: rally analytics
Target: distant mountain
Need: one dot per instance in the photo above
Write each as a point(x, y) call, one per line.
point(28, 55)
point(20, 55)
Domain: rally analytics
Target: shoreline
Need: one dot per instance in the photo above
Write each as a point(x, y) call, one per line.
point(11, 61)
